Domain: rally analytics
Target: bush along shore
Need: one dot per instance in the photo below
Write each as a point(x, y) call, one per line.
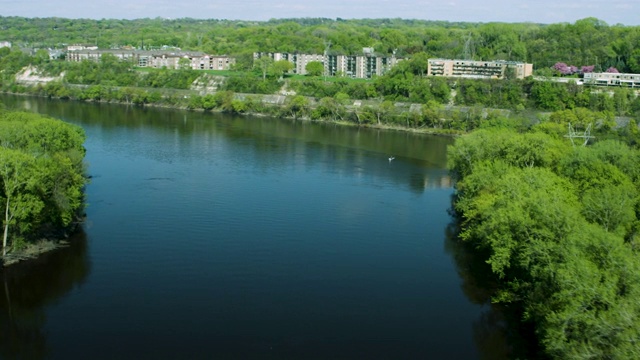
point(431, 117)
point(428, 118)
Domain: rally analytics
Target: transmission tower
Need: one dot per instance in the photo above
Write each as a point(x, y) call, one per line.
point(468, 48)
point(327, 45)
point(573, 134)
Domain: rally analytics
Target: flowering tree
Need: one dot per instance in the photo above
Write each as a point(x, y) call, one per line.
point(587, 69)
point(563, 68)
point(612, 70)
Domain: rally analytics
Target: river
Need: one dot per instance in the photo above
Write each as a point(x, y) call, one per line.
point(216, 236)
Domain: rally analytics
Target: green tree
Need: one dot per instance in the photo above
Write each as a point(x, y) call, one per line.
point(184, 63)
point(314, 68)
point(19, 192)
point(280, 67)
point(263, 64)
point(297, 106)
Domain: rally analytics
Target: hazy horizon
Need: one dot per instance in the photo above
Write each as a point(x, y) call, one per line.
point(543, 11)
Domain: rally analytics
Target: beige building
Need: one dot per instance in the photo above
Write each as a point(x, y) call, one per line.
point(612, 79)
point(478, 69)
point(158, 59)
point(301, 61)
point(212, 62)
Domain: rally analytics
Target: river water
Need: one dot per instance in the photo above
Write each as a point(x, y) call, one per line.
point(216, 236)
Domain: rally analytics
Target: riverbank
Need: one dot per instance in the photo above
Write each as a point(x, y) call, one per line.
point(33, 251)
point(269, 108)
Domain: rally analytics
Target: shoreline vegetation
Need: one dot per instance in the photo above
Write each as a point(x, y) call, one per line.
point(381, 126)
point(42, 179)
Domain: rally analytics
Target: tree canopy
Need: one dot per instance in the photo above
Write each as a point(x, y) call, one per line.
point(560, 227)
point(42, 176)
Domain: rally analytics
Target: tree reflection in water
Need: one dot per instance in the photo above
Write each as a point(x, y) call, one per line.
point(28, 288)
point(498, 332)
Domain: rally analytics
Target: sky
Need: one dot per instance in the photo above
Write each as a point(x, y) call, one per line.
point(613, 12)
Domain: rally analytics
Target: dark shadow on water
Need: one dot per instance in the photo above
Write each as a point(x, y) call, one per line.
point(498, 332)
point(28, 288)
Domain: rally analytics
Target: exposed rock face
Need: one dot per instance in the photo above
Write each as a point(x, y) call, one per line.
point(30, 76)
point(206, 83)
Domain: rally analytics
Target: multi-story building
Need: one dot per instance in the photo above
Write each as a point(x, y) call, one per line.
point(363, 66)
point(158, 59)
point(76, 47)
point(95, 55)
point(301, 61)
point(612, 79)
point(498, 69)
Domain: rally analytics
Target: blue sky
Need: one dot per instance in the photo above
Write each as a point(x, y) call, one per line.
point(541, 11)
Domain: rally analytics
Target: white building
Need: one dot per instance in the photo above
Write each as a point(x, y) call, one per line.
point(76, 47)
point(612, 79)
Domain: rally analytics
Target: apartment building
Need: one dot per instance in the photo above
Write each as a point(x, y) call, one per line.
point(158, 59)
point(95, 55)
point(363, 66)
point(301, 61)
point(612, 79)
point(76, 47)
point(498, 69)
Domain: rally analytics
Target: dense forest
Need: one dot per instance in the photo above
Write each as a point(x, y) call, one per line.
point(41, 178)
point(586, 42)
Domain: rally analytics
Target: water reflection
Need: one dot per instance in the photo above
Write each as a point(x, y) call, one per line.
point(28, 288)
point(272, 142)
point(498, 332)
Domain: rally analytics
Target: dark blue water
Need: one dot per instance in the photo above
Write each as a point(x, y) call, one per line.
point(212, 236)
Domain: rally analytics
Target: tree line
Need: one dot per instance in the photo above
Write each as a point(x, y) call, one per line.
point(587, 42)
point(41, 177)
